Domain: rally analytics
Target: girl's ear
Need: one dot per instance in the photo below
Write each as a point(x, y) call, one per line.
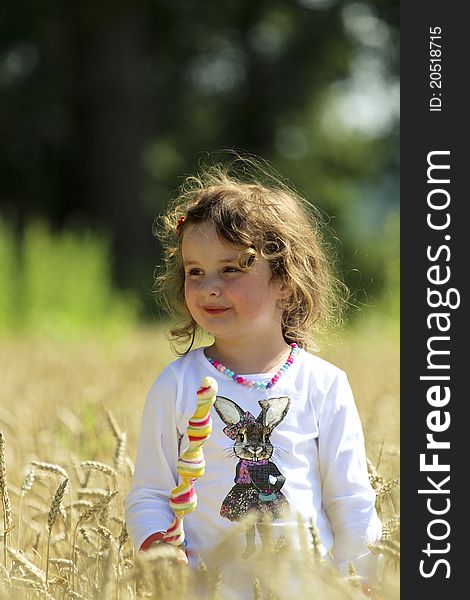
point(273, 411)
point(228, 410)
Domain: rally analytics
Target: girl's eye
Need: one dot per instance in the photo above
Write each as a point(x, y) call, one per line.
point(231, 270)
point(193, 272)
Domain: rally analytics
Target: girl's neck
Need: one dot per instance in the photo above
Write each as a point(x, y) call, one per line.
point(263, 357)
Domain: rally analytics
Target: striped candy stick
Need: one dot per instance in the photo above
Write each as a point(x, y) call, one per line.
point(191, 464)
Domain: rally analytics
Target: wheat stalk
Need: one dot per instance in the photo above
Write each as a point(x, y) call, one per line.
point(354, 579)
point(85, 535)
point(302, 535)
point(92, 492)
point(28, 480)
point(98, 466)
point(52, 516)
point(26, 486)
point(375, 479)
point(104, 515)
point(108, 579)
point(6, 504)
point(123, 536)
point(130, 465)
point(316, 541)
point(50, 468)
point(257, 591)
point(387, 487)
point(27, 583)
point(97, 507)
point(120, 451)
point(6, 576)
point(36, 541)
point(55, 505)
point(390, 527)
point(31, 584)
point(80, 504)
point(61, 562)
point(105, 533)
point(113, 424)
point(122, 539)
point(382, 493)
point(35, 572)
point(389, 548)
point(89, 512)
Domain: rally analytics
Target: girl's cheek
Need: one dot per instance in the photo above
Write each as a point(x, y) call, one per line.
point(190, 289)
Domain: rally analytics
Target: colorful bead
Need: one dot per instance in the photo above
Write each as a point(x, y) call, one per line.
point(257, 385)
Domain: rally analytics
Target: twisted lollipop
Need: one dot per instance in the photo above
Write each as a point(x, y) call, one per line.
point(191, 464)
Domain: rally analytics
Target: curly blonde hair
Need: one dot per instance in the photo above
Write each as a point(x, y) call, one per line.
point(252, 208)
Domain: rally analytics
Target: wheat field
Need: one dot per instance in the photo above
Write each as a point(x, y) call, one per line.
point(69, 420)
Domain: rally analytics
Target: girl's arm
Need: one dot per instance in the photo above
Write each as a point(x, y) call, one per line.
point(347, 495)
point(147, 505)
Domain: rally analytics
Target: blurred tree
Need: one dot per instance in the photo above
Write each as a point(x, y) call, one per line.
point(104, 106)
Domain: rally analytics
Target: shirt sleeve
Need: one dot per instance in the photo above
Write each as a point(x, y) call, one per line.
point(347, 495)
point(147, 506)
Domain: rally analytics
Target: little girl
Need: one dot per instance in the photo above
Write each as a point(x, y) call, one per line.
point(245, 263)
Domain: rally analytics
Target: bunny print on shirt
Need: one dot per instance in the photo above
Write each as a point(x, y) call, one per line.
point(258, 481)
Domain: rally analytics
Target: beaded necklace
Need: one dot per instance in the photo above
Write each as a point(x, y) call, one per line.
point(258, 385)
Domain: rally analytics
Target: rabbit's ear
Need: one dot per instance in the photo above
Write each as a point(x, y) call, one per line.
point(228, 410)
point(273, 411)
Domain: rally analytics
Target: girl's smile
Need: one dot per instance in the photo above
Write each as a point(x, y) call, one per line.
point(230, 302)
point(214, 310)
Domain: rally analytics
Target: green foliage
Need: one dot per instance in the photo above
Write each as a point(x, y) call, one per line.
point(102, 132)
point(375, 283)
point(59, 284)
point(107, 106)
point(8, 280)
point(391, 253)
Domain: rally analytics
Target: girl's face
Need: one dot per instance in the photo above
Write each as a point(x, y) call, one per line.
point(229, 303)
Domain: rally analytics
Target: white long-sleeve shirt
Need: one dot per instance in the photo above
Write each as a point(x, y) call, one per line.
point(318, 448)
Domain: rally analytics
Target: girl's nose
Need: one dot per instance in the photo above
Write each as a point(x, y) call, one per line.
point(211, 287)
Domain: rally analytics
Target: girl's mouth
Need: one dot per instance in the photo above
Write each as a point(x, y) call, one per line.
point(214, 310)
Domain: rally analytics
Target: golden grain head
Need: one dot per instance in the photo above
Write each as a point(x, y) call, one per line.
point(50, 468)
point(98, 561)
point(55, 505)
point(95, 465)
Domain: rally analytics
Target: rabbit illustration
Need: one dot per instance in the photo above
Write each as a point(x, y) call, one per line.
point(258, 481)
